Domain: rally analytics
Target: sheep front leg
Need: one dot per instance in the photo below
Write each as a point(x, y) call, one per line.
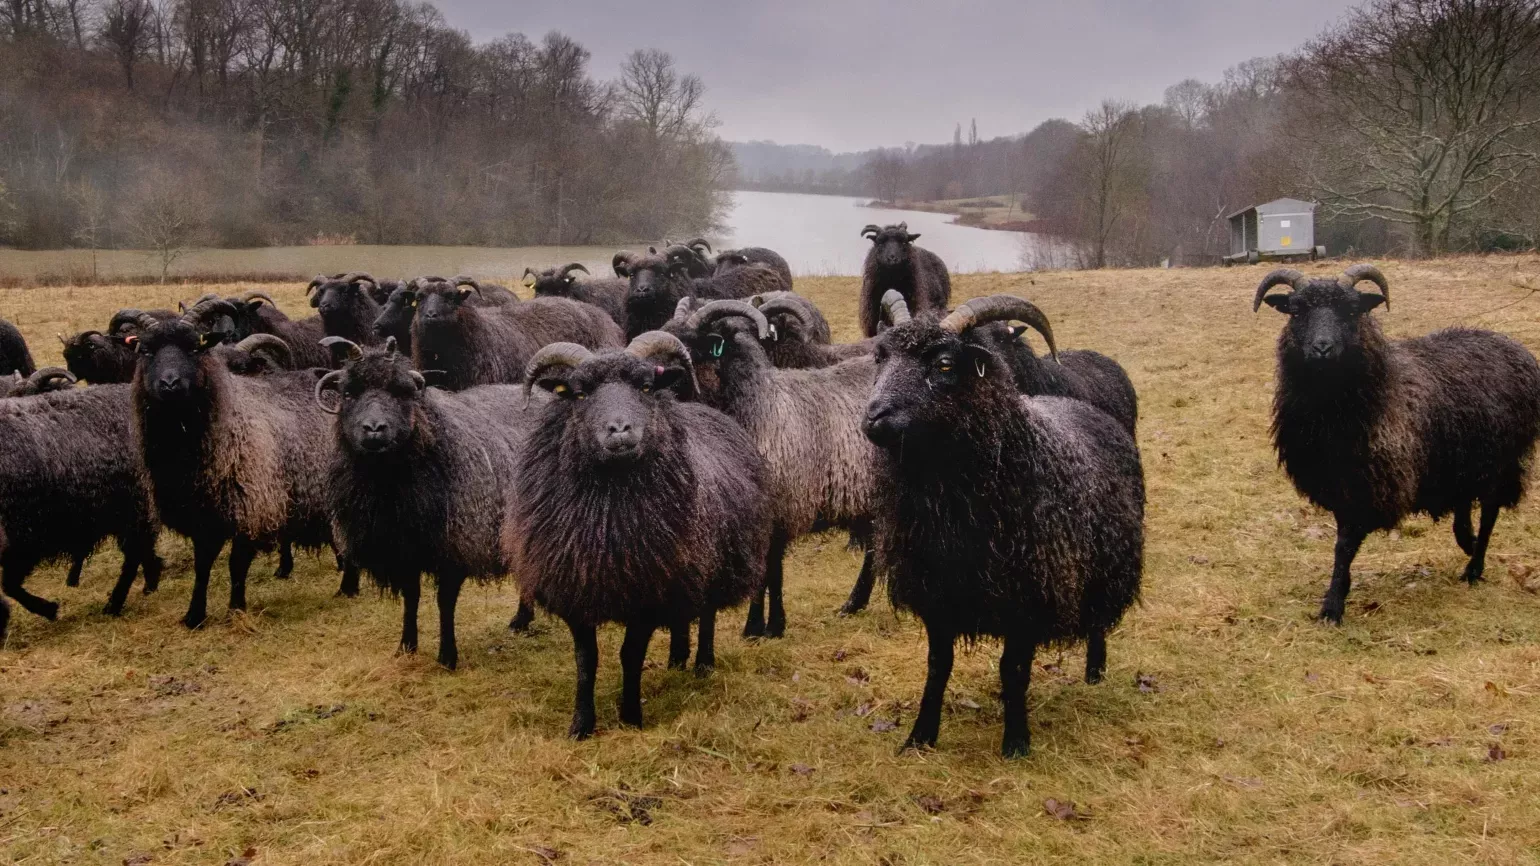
point(585, 651)
point(119, 595)
point(1478, 554)
point(1095, 657)
point(11, 578)
point(775, 574)
point(152, 565)
point(861, 593)
point(523, 617)
point(448, 597)
point(205, 551)
point(1349, 538)
point(706, 650)
point(77, 562)
point(5, 619)
point(1015, 676)
point(1462, 530)
point(285, 561)
point(242, 553)
point(927, 725)
point(411, 599)
point(633, 652)
point(679, 645)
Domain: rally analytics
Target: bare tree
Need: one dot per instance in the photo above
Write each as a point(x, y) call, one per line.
point(1109, 132)
point(654, 94)
point(1188, 101)
point(91, 217)
point(165, 217)
point(1426, 107)
point(127, 30)
point(887, 175)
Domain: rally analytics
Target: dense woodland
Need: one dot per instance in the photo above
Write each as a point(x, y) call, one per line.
point(1416, 124)
point(162, 123)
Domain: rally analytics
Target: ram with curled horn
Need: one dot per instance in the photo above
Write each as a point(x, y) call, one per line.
point(633, 506)
point(1374, 430)
point(659, 281)
point(895, 263)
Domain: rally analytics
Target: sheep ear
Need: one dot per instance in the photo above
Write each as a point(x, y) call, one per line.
point(465, 292)
point(210, 339)
point(668, 378)
point(315, 299)
point(1017, 331)
point(977, 361)
point(556, 384)
point(1369, 300)
point(1280, 302)
point(913, 238)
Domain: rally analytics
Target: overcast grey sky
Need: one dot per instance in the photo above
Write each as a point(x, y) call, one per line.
point(855, 75)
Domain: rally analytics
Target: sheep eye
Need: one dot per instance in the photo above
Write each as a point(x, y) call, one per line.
point(646, 389)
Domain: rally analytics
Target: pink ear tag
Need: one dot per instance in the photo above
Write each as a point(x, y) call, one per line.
point(659, 370)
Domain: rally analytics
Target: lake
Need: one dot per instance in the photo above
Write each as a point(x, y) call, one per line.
point(821, 234)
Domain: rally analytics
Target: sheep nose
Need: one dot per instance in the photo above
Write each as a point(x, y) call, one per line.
point(376, 434)
point(880, 423)
point(620, 438)
point(170, 384)
point(1321, 349)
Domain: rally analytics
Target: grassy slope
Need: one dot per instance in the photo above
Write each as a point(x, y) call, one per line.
point(1269, 737)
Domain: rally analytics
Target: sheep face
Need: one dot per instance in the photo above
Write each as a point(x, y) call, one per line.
point(927, 378)
point(439, 303)
point(169, 359)
point(337, 301)
point(379, 403)
point(99, 358)
point(892, 243)
point(554, 282)
point(395, 319)
point(1326, 322)
point(614, 404)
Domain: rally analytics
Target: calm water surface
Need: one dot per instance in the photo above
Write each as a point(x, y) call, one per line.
point(821, 234)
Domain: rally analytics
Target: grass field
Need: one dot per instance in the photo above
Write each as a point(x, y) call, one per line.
point(293, 734)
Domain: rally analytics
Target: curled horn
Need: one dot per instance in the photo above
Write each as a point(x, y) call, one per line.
point(359, 277)
point(317, 280)
point(660, 347)
point(575, 266)
point(274, 345)
point(871, 230)
point(1281, 277)
point(692, 243)
point(904, 227)
point(716, 310)
point(894, 308)
point(554, 355)
point(684, 308)
point(352, 351)
point(324, 384)
point(1000, 308)
point(209, 307)
point(41, 378)
point(621, 263)
point(530, 272)
point(390, 346)
point(463, 280)
point(64, 342)
point(252, 296)
point(784, 304)
point(145, 321)
point(1358, 273)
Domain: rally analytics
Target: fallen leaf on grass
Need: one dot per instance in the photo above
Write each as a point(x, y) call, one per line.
point(1497, 729)
point(1495, 753)
point(627, 808)
point(1496, 690)
point(234, 798)
point(801, 769)
point(137, 860)
point(967, 703)
point(245, 859)
point(1063, 810)
point(1146, 683)
point(742, 847)
point(857, 676)
point(1243, 782)
point(1311, 677)
point(1525, 577)
point(168, 686)
point(864, 710)
point(546, 853)
point(1198, 559)
point(882, 726)
point(839, 655)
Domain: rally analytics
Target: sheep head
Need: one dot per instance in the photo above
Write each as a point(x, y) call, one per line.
point(1328, 316)
point(376, 396)
point(890, 244)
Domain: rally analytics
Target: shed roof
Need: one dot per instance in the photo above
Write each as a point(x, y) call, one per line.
point(1280, 205)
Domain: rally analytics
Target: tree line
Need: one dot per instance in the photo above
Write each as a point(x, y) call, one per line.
point(165, 123)
point(1414, 123)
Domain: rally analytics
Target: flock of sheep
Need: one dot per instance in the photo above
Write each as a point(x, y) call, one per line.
point(642, 449)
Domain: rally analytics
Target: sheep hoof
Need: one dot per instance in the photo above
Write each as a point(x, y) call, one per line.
point(678, 664)
point(407, 649)
point(1015, 747)
point(581, 729)
point(113, 610)
point(703, 670)
point(283, 574)
point(1474, 573)
point(1330, 615)
point(194, 620)
point(913, 746)
point(449, 663)
point(48, 610)
point(850, 609)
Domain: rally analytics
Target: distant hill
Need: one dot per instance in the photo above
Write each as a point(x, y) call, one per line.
point(800, 167)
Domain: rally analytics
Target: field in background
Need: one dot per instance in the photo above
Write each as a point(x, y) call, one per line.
point(1231, 725)
point(73, 267)
point(986, 212)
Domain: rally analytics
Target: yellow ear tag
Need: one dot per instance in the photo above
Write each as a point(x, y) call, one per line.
point(559, 389)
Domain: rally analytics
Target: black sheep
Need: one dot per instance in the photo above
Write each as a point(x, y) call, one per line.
point(799, 335)
point(71, 477)
point(659, 281)
point(256, 313)
point(729, 260)
point(607, 293)
point(230, 458)
point(347, 306)
point(634, 507)
point(1373, 430)
point(469, 345)
point(104, 358)
point(14, 355)
point(894, 262)
point(997, 514)
point(420, 480)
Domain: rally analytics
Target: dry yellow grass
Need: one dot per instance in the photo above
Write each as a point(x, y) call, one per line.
point(294, 731)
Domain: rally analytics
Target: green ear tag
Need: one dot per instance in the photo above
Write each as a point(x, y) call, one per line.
point(719, 346)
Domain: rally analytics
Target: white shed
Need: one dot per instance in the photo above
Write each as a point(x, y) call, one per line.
point(1280, 229)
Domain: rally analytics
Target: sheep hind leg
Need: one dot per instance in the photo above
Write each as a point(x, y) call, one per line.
point(1462, 529)
point(448, 597)
point(927, 725)
point(585, 652)
point(523, 617)
point(679, 645)
point(706, 650)
point(775, 573)
point(349, 586)
point(1095, 657)
point(411, 599)
point(5, 619)
point(77, 562)
point(152, 565)
point(285, 561)
point(1015, 676)
point(205, 551)
point(242, 553)
point(1349, 539)
point(633, 653)
point(119, 595)
point(1478, 556)
point(861, 593)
